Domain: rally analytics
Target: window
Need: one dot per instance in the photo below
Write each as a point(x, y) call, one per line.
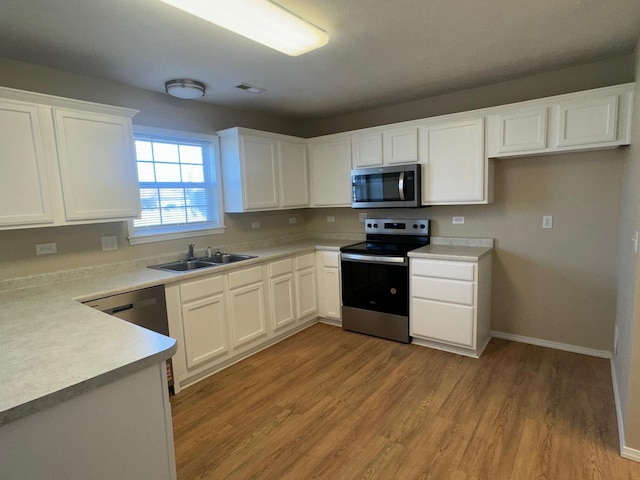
point(178, 175)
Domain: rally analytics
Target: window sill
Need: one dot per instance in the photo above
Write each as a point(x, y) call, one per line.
point(138, 239)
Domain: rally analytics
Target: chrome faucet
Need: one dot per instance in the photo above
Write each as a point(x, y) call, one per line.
point(191, 255)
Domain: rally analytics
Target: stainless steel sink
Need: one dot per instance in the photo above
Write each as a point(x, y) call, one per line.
point(219, 258)
point(204, 262)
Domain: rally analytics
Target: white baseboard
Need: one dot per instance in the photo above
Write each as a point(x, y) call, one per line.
point(549, 344)
point(630, 454)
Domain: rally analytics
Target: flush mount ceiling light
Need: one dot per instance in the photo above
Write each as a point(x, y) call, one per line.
point(184, 88)
point(260, 20)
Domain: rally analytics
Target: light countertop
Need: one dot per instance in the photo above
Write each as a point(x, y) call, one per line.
point(54, 347)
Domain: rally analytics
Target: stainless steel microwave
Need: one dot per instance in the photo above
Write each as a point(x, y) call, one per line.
point(386, 187)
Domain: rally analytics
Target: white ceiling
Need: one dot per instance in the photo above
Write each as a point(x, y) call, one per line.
point(379, 52)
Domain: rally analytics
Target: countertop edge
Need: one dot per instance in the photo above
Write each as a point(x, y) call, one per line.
point(41, 403)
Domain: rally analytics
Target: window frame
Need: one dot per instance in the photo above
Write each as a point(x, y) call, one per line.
point(175, 232)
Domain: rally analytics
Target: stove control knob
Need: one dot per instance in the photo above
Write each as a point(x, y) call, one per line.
point(415, 225)
point(368, 225)
point(375, 225)
point(423, 226)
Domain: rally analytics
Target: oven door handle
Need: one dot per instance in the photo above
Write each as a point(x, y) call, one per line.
point(374, 259)
point(401, 186)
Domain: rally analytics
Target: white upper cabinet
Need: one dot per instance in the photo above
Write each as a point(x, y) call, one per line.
point(97, 165)
point(366, 150)
point(263, 171)
point(400, 145)
point(524, 130)
point(567, 123)
point(454, 166)
point(330, 167)
point(24, 190)
point(386, 146)
point(294, 174)
point(587, 121)
point(71, 162)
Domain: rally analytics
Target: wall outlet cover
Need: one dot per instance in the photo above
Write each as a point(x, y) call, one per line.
point(46, 248)
point(547, 221)
point(362, 217)
point(255, 225)
point(109, 243)
point(292, 220)
point(457, 220)
point(331, 219)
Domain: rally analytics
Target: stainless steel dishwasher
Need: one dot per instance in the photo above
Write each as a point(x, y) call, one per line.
point(146, 307)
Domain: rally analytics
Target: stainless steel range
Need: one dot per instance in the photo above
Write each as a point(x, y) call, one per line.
point(375, 277)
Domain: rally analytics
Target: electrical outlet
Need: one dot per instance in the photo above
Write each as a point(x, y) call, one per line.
point(109, 243)
point(362, 217)
point(547, 221)
point(46, 248)
point(331, 219)
point(255, 225)
point(615, 340)
point(292, 220)
point(634, 240)
point(457, 220)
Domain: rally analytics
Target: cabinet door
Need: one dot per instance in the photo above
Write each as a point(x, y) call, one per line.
point(306, 293)
point(589, 121)
point(332, 304)
point(330, 163)
point(294, 174)
point(97, 165)
point(24, 193)
point(259, 167)
point(248, 315)
point(282, 296)
point(366, 150)
point(524, 131)
point(400, 145)
point(453, 163)
point(205, 331)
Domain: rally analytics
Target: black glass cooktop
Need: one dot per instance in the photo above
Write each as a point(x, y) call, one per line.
point(390, 246)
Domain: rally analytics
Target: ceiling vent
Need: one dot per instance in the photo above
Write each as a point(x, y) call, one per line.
point(250, 88)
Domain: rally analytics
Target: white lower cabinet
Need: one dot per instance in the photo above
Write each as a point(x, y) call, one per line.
point(451, 304)
point(329, 301)
point(221, 318)
point(282, 295)
point(306, 290)
point(247, 312)
point(204, 320)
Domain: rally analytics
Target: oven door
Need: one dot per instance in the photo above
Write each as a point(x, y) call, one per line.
point(376, 283)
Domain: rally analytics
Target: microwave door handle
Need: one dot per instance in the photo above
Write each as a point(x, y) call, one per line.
point(401, 186)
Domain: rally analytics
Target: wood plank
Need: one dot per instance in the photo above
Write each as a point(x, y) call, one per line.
point(330, 404)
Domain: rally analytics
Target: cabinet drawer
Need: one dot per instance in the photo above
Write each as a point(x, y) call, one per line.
point(280, 267)
point(443, 269)
point(452, 291)
point(443, 322)
point(201, 288)
point(330, 259)
point(245, 277)
point(306, 261)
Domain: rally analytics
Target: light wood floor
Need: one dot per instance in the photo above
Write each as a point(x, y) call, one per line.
point(329, 404)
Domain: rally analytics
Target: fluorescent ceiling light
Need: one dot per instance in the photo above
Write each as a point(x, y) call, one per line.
point(261, 21)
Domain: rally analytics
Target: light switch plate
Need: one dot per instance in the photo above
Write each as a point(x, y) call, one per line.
point(547, 221)
point(292, 220)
